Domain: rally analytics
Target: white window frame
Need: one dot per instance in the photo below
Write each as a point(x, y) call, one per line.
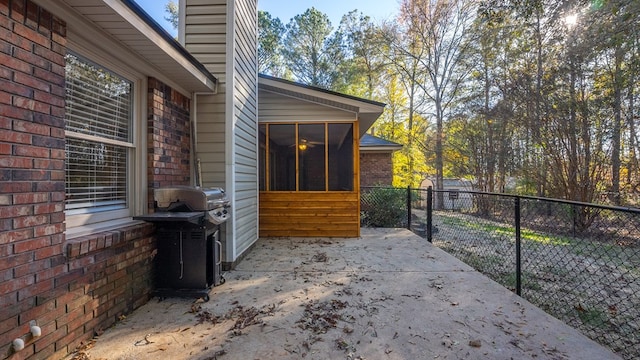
point(82, 224)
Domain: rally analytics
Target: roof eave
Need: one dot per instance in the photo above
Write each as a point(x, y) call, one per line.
point(166, 58)
point(367, 111)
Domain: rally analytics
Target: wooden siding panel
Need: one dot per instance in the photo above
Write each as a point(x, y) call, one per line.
point(328, 233)
point(309, 214)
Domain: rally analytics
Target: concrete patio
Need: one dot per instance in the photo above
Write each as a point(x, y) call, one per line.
point(387, 295)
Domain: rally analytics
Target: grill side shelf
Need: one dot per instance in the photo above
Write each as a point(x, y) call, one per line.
point(191, 217)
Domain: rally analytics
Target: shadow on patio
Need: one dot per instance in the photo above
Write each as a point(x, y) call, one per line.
point(387, 295)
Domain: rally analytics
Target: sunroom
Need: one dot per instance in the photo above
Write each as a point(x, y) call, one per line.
point(309, 159)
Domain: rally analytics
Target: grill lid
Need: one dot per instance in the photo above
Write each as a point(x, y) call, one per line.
point(176, 198)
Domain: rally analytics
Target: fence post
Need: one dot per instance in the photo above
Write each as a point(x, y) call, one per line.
point(409, 207)
point(429, 213)
point(518, 248)
point(573, 220)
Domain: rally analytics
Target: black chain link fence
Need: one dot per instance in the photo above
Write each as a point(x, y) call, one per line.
point(578, 262)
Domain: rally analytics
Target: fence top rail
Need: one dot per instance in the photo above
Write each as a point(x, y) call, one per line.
point(539, 198)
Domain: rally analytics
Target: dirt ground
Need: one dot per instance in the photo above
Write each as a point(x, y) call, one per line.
point(387, 295)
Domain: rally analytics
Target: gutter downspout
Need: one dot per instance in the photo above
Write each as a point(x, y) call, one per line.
point(195, 158)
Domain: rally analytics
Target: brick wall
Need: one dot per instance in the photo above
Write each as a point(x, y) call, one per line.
point(376, 168)
point(169, 137)
point(32, 48)
point(106, 275)
point(73, 288)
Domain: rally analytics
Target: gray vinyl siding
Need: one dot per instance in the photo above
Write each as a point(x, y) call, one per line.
point(222, 34)
point(206, 38)
point(246, 116)
point(211, 139)
point(206, 34)
point(280, 108)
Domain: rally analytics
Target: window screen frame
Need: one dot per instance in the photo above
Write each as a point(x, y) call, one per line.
point(80, 221)
point(266, 171)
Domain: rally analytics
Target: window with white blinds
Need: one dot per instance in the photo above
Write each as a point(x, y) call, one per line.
point(98, 122)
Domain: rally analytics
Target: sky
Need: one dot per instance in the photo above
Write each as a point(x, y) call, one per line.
point(155, 9)
point(287, 9)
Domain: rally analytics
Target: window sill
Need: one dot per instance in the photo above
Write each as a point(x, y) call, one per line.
point(80, 231)
point(88, 239)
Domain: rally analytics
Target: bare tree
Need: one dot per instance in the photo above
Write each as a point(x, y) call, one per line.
point(405, 54)
point(441, 28)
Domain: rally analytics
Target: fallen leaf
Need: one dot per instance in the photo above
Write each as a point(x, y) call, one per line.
point(475, 343)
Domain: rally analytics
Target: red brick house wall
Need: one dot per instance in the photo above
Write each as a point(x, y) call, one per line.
point(33, 269)
point(168, 139)
point(376, 169)
point(73, 288)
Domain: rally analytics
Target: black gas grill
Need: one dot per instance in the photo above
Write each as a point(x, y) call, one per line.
point(211, 204)
point(188, 222)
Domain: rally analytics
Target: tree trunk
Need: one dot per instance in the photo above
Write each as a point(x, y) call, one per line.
point(617, 124)
point(631, 123)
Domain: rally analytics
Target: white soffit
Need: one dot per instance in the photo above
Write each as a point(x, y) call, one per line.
point(367, 111)
point(126, 23)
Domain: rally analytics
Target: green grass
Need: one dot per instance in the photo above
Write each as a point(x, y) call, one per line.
point(592, 317)
point(509, 280)
point(625, 258)
point(510, 231)
point(561, 271)
point(490, 265)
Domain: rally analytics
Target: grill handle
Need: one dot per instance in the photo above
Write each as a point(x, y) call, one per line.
point(181, 259)
point(219, 252)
